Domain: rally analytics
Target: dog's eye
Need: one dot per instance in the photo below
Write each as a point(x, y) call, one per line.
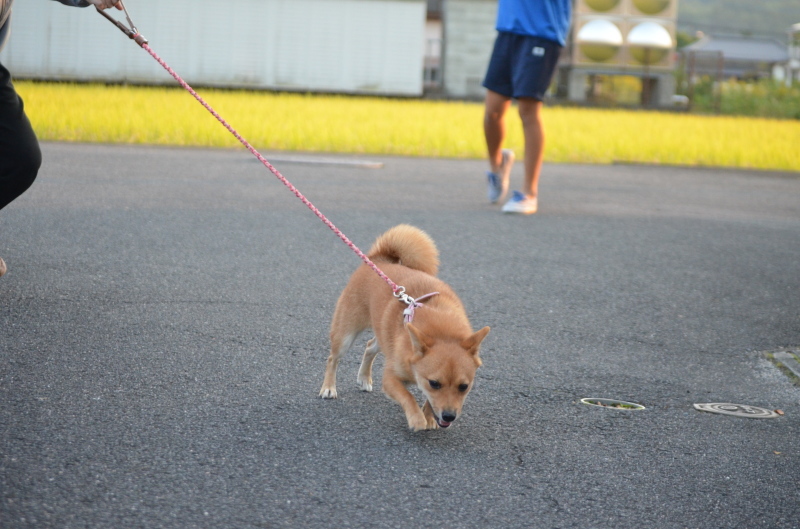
point(463, 387)
point(435, 384)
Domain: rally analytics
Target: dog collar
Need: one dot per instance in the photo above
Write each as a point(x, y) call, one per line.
point(408, 314)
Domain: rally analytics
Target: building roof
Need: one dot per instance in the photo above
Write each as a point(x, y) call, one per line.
point(743, 48)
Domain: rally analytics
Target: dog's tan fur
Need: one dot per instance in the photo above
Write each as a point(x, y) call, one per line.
point(438, 351)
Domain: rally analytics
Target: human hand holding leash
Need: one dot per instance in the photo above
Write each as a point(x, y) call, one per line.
point(105, 4)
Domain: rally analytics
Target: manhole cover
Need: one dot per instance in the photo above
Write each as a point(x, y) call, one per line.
point(737, 410)
point(611, 403)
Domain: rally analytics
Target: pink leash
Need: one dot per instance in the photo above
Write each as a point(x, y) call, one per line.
point(133, 33)
point(273, 170)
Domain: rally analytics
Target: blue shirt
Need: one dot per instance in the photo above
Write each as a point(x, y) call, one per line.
point(547, 19)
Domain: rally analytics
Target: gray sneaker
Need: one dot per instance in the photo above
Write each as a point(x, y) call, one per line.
point(498, 183)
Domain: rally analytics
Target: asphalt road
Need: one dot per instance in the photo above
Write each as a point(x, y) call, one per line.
point(164, 334)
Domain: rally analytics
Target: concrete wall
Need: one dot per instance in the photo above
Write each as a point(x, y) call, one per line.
point(351, 46)
point(469, 33)
point(661, 89)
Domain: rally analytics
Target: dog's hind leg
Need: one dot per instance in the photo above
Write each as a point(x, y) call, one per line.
point(365, 371)
point(339, 346)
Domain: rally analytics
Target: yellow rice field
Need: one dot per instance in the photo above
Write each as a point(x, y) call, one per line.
point(299, 122)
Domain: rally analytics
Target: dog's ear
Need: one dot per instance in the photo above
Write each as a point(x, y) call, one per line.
point(473, 343)
point(419, 341)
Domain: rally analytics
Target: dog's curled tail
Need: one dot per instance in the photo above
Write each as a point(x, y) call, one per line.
point(408, 246)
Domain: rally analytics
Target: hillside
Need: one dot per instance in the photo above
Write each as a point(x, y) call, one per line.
point(767, 18)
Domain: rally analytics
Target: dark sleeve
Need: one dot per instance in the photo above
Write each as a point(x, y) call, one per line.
point(75, 3)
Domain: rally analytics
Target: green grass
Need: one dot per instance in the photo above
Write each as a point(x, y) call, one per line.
point(298, 122)
point(765, 98)
point(770, 355)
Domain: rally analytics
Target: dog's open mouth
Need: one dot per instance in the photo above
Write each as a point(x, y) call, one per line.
point(441, 423)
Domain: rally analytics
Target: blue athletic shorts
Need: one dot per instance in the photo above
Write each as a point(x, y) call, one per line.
point(521, 66)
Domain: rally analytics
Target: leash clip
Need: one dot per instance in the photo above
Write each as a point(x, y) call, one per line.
point(401, 295)
point(413, 304)
point(408, 313)
point(131, 31)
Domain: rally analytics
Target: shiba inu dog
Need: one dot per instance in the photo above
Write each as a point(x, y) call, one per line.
point(437, 350)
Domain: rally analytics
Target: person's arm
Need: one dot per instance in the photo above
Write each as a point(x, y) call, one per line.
point(102, 4)
point(74, 3)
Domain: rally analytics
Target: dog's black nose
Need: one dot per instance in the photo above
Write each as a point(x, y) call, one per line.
point(448, 417)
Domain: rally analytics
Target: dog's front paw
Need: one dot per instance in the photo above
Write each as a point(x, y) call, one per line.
point(328, 393)
point(365, 383)
point(420, 422)
point(432, 424)
point(427, 411)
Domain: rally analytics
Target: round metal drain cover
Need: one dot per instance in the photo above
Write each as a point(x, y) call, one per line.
point(737, 410)
point(611, 403)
